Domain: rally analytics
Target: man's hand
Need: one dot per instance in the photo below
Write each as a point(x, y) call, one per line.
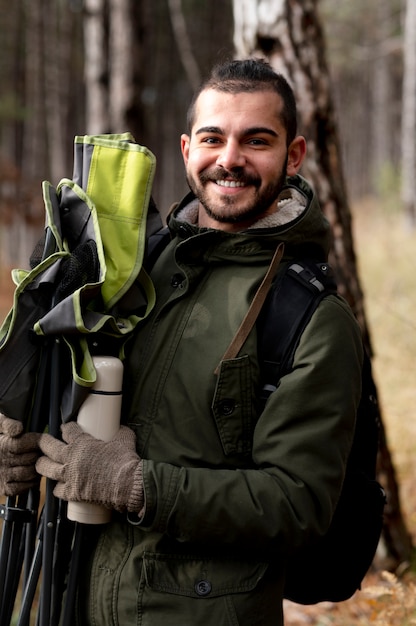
point(18, 454)
point(89, 470)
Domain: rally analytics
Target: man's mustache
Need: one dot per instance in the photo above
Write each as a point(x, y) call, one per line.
point(238, 176)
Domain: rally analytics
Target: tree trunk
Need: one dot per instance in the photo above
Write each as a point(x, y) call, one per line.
point(121, 64)
point(174, 45)
point(56, 43)
point(289, 34)
point(34, 155)
point(409, 115)
point(382, 88)
point(183, 43)
point(96, 67)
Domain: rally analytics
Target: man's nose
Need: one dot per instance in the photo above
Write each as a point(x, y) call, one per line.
point(231, 155)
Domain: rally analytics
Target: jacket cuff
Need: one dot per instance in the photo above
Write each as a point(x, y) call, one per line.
point(135, 501)
point(161, 483)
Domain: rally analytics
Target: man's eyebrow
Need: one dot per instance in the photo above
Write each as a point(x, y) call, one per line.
point(259, 130)
point(255, 130)
point(209, 129)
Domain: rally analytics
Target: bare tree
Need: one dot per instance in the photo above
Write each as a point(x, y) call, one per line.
point(290, 35)
point(121, 63)
point(146, 58)
point(409, 115)
point(40, 75)
point(34, 152)
point(183, 43)
point(57, 51)
point(382, 88)
point(96, 67)
point(364, 45)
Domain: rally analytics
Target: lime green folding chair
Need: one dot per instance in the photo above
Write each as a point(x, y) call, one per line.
point(85, 293)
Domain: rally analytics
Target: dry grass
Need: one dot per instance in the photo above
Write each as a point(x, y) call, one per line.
point(385, 251)
point(387, 267)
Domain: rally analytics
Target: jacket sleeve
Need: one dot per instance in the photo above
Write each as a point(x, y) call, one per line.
point(300, 447)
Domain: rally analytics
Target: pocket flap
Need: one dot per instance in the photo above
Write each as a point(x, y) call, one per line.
point(193, 577)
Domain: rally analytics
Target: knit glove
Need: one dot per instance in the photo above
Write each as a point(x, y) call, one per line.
point(90, 470)
point(18, 454)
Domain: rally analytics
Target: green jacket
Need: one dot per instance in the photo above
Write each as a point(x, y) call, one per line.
point(230, 490)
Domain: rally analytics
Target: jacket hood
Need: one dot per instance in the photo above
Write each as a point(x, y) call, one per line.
point(298, 221)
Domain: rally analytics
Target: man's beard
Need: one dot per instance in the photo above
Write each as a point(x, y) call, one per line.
point(219, 210)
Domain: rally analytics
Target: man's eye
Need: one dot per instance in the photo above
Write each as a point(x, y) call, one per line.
point(210, 140)
point(257, 142)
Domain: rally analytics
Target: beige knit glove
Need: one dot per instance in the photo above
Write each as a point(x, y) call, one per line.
point(90, 470)
point(18, 454)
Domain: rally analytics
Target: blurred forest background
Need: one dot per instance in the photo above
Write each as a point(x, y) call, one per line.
point(63, 72)
point(75, 67)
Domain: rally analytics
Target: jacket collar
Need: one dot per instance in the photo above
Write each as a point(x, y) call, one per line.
point(290, 204)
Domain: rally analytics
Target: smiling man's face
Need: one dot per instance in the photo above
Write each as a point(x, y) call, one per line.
point(237, 157)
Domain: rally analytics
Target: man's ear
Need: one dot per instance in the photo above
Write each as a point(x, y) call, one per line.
point(295, 155)
point(185, 140)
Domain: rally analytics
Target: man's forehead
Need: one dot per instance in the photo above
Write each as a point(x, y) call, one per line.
point(211, 94)
point(216, 101)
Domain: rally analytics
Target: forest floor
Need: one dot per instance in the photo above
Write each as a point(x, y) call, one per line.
point(386, 261)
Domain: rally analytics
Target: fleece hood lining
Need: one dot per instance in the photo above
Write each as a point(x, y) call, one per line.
point(291, 203)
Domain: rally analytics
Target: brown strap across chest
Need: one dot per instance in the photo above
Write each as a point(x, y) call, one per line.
point(255, 307)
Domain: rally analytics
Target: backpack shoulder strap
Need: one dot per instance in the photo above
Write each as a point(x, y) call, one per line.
point(293, 298)
point(333, 567)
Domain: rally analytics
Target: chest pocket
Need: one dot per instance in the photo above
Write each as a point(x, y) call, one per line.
point(234, 407)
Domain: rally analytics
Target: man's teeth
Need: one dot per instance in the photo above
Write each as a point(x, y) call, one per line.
point(229, 183)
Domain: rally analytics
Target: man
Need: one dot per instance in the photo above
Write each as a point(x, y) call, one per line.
point(212, 492)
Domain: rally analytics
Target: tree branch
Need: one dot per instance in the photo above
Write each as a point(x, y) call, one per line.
point(180, 33)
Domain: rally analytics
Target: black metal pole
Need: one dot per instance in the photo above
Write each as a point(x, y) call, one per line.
point(32, 580)
point(51, 503)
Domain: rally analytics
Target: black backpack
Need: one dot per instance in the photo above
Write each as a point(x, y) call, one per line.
point(334, 567)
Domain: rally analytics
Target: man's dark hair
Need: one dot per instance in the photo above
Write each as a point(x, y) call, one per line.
point(250, 75)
